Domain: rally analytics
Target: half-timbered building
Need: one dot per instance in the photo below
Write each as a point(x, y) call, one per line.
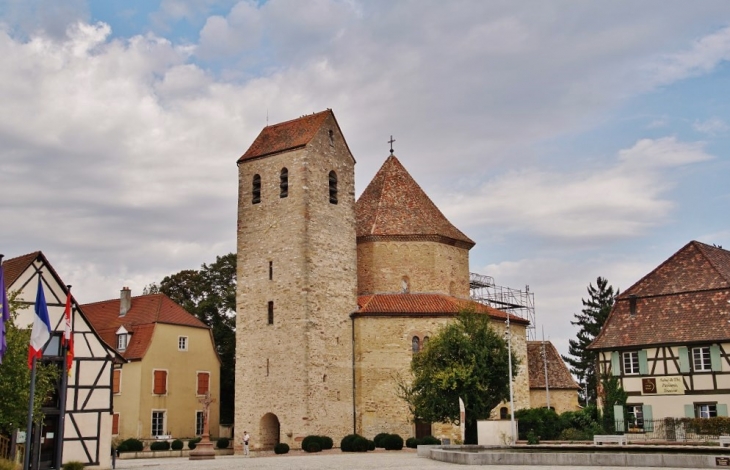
point(85, 423)
point(667, 339)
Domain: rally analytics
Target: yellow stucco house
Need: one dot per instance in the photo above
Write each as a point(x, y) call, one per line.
point(171, 364)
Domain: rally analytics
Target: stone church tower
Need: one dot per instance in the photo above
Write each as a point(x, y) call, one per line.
point(297, 283)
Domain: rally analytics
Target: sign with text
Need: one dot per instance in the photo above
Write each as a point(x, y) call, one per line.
point(670, 385)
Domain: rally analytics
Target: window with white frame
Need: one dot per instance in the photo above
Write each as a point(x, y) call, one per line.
point(199, 423)
point(701, 359)
point(122, 340)
point(631, 362)
point(158, 423)
point(635, 416)
point(705, 410)
point(182, 343)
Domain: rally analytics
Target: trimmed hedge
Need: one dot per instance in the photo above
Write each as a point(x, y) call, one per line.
point(192, 443)
point(131, 445)
point(222, 443)
point(323, 443)
point(360, 444)
point(378, 439)
point(413, 443)
point(160, 445)
point(346, 442)
point(371, 445)
point(281, 448)
point(177, 444)
point(392, 442)
point(73, 465)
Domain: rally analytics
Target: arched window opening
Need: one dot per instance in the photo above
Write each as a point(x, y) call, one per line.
point(284, 183)
point(256, 190)
point(503, 413)
point(425, 340)
point(333, 187)
point(415, 344)
point(405, 285)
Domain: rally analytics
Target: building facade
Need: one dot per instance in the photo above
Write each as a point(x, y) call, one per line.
point(545, 366)
point(333, 295)
point(170, 364)
point(667, 339)
point(85, 422)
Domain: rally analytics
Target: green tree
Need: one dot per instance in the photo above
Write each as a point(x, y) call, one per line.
point(466, 359)
point(210, 294)
point(613, 394)
point(590, 320)
point(15, 377)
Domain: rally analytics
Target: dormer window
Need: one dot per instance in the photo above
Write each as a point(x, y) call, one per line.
point(122, 338)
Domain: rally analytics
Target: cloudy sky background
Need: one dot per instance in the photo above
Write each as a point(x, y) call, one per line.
point(570, 140)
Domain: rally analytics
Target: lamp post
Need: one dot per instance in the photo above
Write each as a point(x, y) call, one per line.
point(508, 334)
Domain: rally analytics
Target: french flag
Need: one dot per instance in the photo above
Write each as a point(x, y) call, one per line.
point(41, 332)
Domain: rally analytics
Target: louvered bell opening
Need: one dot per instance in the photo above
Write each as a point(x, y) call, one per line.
point(333, 187)
point(256, 190)
point(284, 183)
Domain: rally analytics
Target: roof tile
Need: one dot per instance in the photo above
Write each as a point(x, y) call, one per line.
point(558, 374)
point(287, 135)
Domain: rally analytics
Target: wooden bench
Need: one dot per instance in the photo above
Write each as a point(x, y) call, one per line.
point(724, 441)
point(611, 439)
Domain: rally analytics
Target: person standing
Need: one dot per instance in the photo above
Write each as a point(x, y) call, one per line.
point(246, 438)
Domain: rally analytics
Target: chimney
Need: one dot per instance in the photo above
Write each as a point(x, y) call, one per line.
point(125, 301)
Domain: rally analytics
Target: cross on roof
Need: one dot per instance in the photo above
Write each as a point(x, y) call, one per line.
point(391, 144)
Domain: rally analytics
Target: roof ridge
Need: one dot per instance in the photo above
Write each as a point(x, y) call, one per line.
point(703, 248)
point(296, 119)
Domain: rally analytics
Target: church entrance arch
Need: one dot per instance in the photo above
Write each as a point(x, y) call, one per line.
point(269, 431)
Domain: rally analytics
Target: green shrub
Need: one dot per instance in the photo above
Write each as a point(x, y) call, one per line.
point(532, 438)
point(378, 439)
point(281, 448)
point(6, 464)
point(177, 444)
point(359, 444)
point(430, 441)
point(371, 445)
point(412, 442)
point(313, 446)
point(572, 434)
point(326, 442)
point(542, 422)
point(192, 443)
point(73, 465)
point(309, 440)
point(346, 442)
point(131, 445)
point(392, 442)
point(222, 443)
point(160, 445)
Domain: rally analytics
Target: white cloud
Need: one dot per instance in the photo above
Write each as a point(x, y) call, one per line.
point(619, 201)
point(713, 126)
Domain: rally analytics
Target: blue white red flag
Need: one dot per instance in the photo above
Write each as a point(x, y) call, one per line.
point(41, 332)
point(4, 315)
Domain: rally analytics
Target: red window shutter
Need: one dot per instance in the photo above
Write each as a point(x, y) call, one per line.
point(203, 383)
point(160, 387)
point(116, 381)
point(115, 423)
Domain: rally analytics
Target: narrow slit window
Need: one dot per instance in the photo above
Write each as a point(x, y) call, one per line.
point(256, 190)
point(271, 312)
point(333, 187)
point(332, 137)
point(284, 183)
point(271, 270)
point(415, 344)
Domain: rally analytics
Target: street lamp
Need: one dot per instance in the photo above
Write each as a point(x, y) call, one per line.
point(508, 334)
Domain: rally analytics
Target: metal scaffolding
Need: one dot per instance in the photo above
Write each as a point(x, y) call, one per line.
point(520, 303)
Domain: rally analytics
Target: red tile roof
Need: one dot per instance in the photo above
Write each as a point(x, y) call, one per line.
point(686, 299)
point(146, 311)
point(287, 135)
point(424, 305)
point(393, 204)
point(14, 267)
point(558, 374)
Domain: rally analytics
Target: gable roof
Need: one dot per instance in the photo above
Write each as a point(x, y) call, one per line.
point(145, 312)
point(288, 135)
point(695, 267)
point(393, 204)
point(558, 374)
point(14, 267)
point(407, 304)
point(690, 288)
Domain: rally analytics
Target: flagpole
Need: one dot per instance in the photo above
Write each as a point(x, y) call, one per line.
point(62, 397)
point(29, 425)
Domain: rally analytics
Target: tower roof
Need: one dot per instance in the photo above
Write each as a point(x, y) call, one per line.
point(393, 204)
point(288, 135)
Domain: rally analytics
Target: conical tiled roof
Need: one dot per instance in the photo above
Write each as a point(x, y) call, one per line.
point(393, 204)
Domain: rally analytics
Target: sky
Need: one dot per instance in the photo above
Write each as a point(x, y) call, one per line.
point(569, 139)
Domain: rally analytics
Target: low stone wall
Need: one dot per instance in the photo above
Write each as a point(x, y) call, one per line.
point(150, 454)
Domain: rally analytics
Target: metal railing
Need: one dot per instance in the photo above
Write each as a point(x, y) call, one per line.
point(673, 429)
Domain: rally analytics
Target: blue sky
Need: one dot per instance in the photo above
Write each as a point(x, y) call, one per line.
point(570, 140)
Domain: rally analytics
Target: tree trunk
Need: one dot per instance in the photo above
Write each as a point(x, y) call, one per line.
point(470, 432)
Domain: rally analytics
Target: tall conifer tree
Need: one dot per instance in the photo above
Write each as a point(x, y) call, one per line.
point(590, 320)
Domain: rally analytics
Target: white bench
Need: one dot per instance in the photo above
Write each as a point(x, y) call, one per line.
point(163, 437)
point(611, 439)
point(724, 441)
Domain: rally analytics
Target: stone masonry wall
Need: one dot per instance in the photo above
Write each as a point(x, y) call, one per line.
point(298, 370)
point(560, 400)
point(428, 267)
point(383, 352)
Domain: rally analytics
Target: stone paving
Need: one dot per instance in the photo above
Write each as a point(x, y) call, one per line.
point(403, 460)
